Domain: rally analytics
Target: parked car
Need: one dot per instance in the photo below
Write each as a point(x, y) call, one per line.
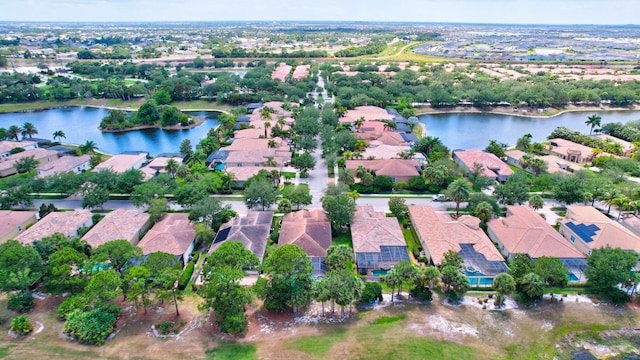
point(441, 197)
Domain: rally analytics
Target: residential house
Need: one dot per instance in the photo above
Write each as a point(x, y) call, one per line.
point(157, 164)
point(369, 113)
point(12, 223)
point(627, 147)
point(399, 170)
point(281, 72)
point(7, 146)
point(120, 224)
point(587, 229)
point(523, 231)
point(631, 222)
point(123, 162)
point(377, 150)
point(378, 242)
point(311, 231)
point(301, 72)
point(554, 163)
point(242, 174)
point(251, 230)
point(570, 151)
point(67, 223)
point(42, 156)
point(173, 234)
point(439, 233)
point(65, 164)
point(492, 166)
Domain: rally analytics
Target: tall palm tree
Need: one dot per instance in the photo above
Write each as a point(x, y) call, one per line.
point(28, 129)
point(59, 135)
point(427, 144)
point(226, 180)
point(267, 125)
point(593, 121)
point(89, 147)
point(459, 191)
point(172, 167)
point(13, 131)
point(271, 143)
point(358, 123)
point(265, 114)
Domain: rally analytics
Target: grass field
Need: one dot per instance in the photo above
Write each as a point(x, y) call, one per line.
point(114, 103)
point(343, 238)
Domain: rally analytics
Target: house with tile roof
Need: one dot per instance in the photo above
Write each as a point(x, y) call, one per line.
point(281, 72)
point(68, 223)
point(251, 230)
point(587, 229)
point(123, 162)
point(369, 113)
point(244, 173)
point(311, 231)
point(12, 223)
point(378, 242)
point(65, 164)
point(554, 163)
point(301, 72)
point(7, 146)
point(440, 233)
point(42, 156)
point(493, 167)
point(173, 234)
point(570, 151)
point(627, 147)
point(120, 224)
point(157, 165)
point(399, 170)
point(523, 231)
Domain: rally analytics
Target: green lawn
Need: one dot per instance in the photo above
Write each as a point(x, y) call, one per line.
point(343, 239)
point(413, 244)
point(233, 351)
point(317, 345)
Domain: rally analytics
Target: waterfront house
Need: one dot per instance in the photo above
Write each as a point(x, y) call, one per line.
point(42, 156)
point(570, 151)
point(173, 234)
point(6, 147)
point(627, 147)
point(123, 162)
point(251, 230)
point(369, 113)
point(311, 231)
point(492, 166)
point(399, 170)
point(65, 164)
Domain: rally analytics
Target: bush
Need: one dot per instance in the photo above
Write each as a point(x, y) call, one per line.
point(452, 296)
point(186, 275)
point(72, 303)
point(372, 292)
point(20, 302)
point(21, 325)
point(618, 296)
point(383, 183)
point(92, 327)
point(168, 327)
point(421, 292)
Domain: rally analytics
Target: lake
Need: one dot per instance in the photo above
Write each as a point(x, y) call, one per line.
point(473, 131)
point(81, 124)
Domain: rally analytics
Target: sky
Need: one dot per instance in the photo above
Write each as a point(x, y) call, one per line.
point(466, 11)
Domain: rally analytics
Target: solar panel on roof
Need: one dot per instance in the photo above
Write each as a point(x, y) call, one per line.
point(222, 235)
point(585, 232)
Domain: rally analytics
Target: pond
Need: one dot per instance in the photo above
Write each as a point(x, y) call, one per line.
point(473, 131)
point(81, 124)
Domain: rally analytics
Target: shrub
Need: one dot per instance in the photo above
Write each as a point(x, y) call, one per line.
point(72, 303)
point(92, 327)
point(21, 325)
point(20, 302)
point(421, 292)
point(186, 275)
point(371, 293)
point(452, 296)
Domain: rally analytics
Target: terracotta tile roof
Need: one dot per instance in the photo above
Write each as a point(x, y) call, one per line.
point(256, 144)
point(301, 72)
point(122, 162)
point(371, 229)
point(559, 165)
point(38, 154)
point(384, 151)
point(626, 146)
point(309, 229)
point(562, 146)
point(158, 163)
point(255, 133)
point(281, 72)
point(493, 166)
point(609, 231)
point(66, 223)
point(62, 165)
point(440, 233)
point(258, 157)
point(7, 146)
point(173, 234)
point(370, 113)
point(120, 224)
point(251, 230)
point(523, 231)
point(10, 220)
point(632, 222)
point(388, 167)
point(243, 173)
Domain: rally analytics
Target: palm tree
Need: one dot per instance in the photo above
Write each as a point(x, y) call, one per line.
point(267, 125)
point(265, 114)
point(271, 143)
point(593, 121)
point(59, 135)
point(270, 161)
point(358, 123)
point(13, 131)
point(89, 147)
point(390, 125)
point(459, 191)
point(172, 167)
point(28, 129)
point(483, 211)
point(183, 171)
point(427, 144)
point(226, 180)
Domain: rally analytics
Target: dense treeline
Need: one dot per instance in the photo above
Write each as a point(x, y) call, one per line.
point(148, 114)
point(370, 49)
point(440, 88)
point(243, 53)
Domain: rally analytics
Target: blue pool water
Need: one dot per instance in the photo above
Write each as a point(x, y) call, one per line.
point(379, 273)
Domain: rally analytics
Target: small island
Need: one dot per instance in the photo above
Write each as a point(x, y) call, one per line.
point(148, 116)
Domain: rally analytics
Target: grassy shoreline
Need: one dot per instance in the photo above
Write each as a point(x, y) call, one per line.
point(131, 105)
point(530, 112)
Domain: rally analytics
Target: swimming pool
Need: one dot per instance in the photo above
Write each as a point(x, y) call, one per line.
point(379, 273)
